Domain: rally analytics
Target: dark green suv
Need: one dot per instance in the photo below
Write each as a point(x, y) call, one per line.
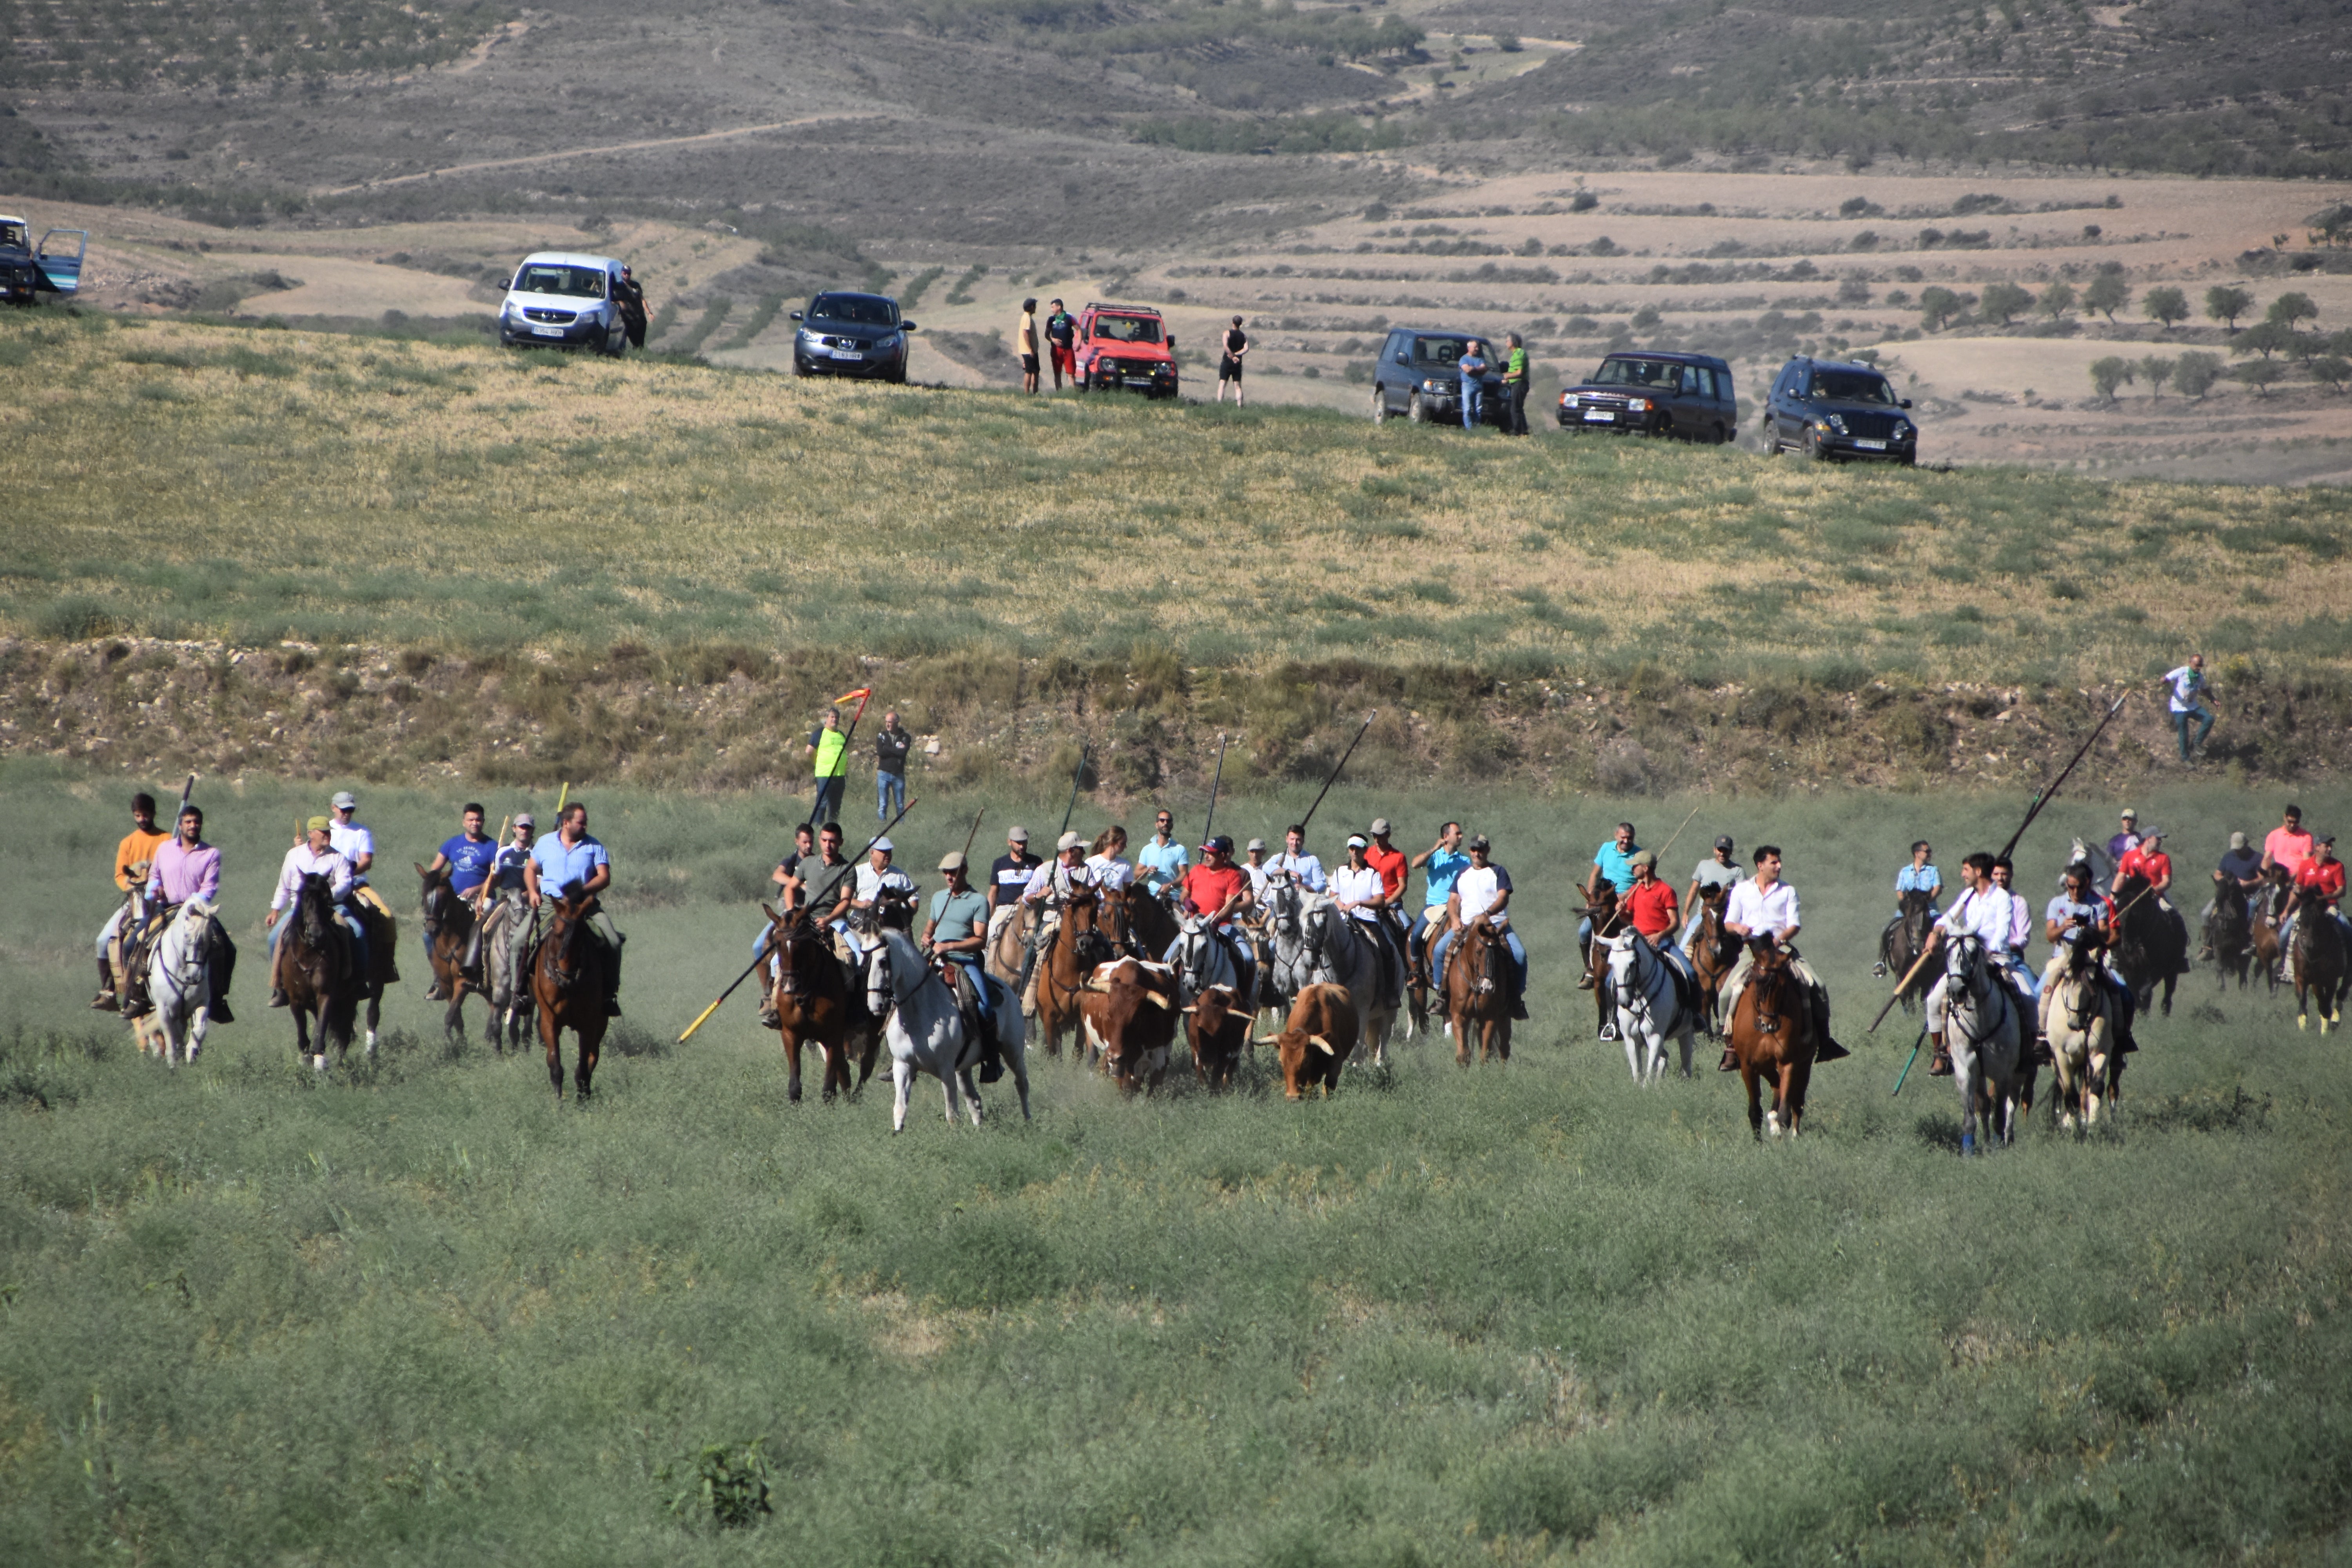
point(1831, 411)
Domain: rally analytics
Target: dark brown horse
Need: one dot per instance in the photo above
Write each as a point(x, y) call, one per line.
point(2151, 944)
point(1712, 956)
point(449, 916)
point(1478, 991)
point(1602, 910)
point(1772, 1038)
point(2315, 957)
point(809, 998)
point(313, 967)
point(2232, 932)
point(1902, 942)
point(571, 979)
point(2269, 906)
point(1140, 922)
point(1078, 944)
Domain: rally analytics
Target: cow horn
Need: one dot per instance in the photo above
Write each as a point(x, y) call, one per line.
point(1194, 1008)
point(1320, 1044)
point(1091, 985)
point(1163, 1001)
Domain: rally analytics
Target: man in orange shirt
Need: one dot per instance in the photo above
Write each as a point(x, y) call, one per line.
point(132, 859)
point(2288, 844)
point(1389, 862)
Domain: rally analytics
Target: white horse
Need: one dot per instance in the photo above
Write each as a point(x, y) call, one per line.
point(1650, 1010)
point(505, 936)
point(925, 1031)
point(1349, 953)
point(1202, 960)
point(2078, 1013)
point(179, 984)
point(1983, 1030)
point(1288, 962)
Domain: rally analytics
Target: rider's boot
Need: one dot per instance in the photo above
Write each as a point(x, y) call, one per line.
point(1607, 991)
point(1730, 1062)
point(1940, 1065)
point(769, 1018)
point(104, 1000)
point(1828, 1051)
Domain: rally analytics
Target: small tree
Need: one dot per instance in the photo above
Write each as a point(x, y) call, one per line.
point(2196, 373)
point(2261, 375)
point(2168, 305)
point(2156, 370)
point(2110, 372)
point(2225, 304)
point(2002, 302)
point(2331, 370)
point(2264, 338)
point(2107, 294)
point(1938, 306)
point(2291, 310)
point(2057, 299)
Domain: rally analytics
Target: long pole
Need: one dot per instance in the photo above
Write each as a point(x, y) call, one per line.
point(1906, 1073)
point(1218, 778)
point(1678, 832)
point(1335, 771)
point(1085, 753)
point(969, 838)
point(2050, 791)
point(1899, 986)
point(187, 792)
point(703, 1016)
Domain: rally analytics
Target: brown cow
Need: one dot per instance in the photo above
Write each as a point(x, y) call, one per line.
point(1219, 1028)
point(1128, 1009)
point(1314, 1044)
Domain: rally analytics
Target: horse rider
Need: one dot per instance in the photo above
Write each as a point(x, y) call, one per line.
point(1304, 869)
point(1008, 878)
point(1986, 912)
point(1763, 909)
point(1718, 870)
point(1114, 872)
point(315, 855)
point(2148, 862)
point(956, 935)
point(1162, 861)
point(875, 896)
point(467, 857)
point(1252, 923)
point(1649, 905)
point(2242, 863)
point(1482, 895)
point(2021, 927)
point(791, 882)
point(2082, 915)
point(1050, 887)
point(2287, 845)
point(507, 876)
point(572, 862)
point(1613, 862)
point(1440, 864)
point(1389, 862)
point(356, 845)
point(2318, 884)
point(1219, 891)
point(1920, 877)
point(133, 858)
point(2126, 837)
point(185, 868)
point(1257, 870)
point(1362, 895)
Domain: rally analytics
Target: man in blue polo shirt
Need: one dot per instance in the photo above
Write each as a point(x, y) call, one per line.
point(468, 858)
point(1163, 860)
point(1612, 863)
point(1441, 863)
point(569, 862)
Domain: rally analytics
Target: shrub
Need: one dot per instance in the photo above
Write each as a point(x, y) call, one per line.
point(2002, 302)
point(2332, 369)
point(726, 1483)
point(2261, 375)
point(76, 619)
point(1938, 306)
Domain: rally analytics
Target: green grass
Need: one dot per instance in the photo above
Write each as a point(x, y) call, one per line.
point(421, 1314)
point(396, 493)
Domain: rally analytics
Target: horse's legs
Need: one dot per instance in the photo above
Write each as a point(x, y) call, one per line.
point(374, 1015)
point(2169, 981)
point(550, 1034)
point(591, 1040)
point(902, 1077)
point(1634, 1052)
point(791, 1040)
point(1748, 1075)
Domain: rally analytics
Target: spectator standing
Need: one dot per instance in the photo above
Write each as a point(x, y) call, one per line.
point(2189, 689)
point(1472, 366)
point(1230, 367)
point(1515, 384)
point(1024, 343)
point(1062, 339)
point(828, 755)
point(629, 295)
point(890, 749)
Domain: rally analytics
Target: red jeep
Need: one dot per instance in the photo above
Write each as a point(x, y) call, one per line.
point(1126, 346)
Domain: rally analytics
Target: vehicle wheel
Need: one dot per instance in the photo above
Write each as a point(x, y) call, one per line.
point(1379, 406)
point(1813, 452)
point(1416, 410)
point(1721, 435)
point(1772, 439)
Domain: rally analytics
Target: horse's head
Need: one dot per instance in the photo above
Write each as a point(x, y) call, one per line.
point(567, 927)
point(1623, 955)
point(1966, 964)
point(314, 904)
point(434, 891)
point(1282, 901)
point(801, 954)
point(1916, 902)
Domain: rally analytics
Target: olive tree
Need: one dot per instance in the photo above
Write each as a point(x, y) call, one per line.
point(2057, 299)
point(2110, 372)
point(2196, 373)
point(1938, 306)
point(2107, 294)
point(2002, 302)
point(2168, 305)
point(2226, 304)
point(2156, 370)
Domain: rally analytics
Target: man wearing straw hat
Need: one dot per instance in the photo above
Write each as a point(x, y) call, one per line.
point(315, 856)
point(1050, 887)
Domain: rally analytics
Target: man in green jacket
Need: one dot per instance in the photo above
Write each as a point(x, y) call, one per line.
point(828, 752)
point(1514, 385)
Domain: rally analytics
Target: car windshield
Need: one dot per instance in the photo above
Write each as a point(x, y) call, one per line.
point(560, 277)
point(16, 235)
point(1437, 351)
point(857, 310)
point(1852, 386)
point(1128, 329)
point(1664, 374)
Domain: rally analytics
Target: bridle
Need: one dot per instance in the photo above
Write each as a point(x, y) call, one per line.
point(794, 978)
point(1970, 967)
point(1766, 984)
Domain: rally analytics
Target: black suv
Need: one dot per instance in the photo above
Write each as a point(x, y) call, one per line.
point(1415, 377)
point(1829, 410)
point(842, 333)
point(1685, 395)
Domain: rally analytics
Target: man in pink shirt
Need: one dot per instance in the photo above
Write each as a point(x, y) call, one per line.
point(2288, 844)
point(187, 868)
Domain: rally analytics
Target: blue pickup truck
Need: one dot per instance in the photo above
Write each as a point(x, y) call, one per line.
point(28, 270)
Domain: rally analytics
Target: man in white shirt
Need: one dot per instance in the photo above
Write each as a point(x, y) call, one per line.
point(1362, 895)
point(1050, 886)
point(1304, 869)
point(1483, 893)
point(356, 845)
point(1763, 909)
point(876, 893)
point(1983, 912)
point(2187, 703)
point(315, 856)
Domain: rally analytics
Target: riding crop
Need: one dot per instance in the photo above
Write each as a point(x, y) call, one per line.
point(1335, 771)
point(1216, 779)
point(2050, 791)
point(762, 956)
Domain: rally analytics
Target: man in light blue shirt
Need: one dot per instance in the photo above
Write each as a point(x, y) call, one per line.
point(567, 863)
point(1162, 859)
point(1304, 869)
point(1612, 862)
point(1919, 876)
point(1440, 864)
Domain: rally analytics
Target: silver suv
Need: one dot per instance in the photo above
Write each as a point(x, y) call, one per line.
point(562, 300)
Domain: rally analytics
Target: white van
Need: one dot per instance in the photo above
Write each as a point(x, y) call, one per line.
point(560, 298)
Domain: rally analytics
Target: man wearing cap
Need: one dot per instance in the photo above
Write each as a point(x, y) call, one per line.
point(1612, 863)
point(2318, 884)
point(2240, 864)
point(1482, 893)
point(1305, 869)
point(1649, 907)
point(572, 863)
point(1395, 872)
point(1440, 864)
point(493, 900)
point(866, 900)
point(2148, 862)
point(186, 867)
point(315, 856)
point(1008, 879)
point(957, 934)
point(1220, 890)
point(1256, 869)
point(133, 858)
point(829, 757)
point(1763, 909)
point(1357, 888)
point(356, 845)
point(467, 856)
point(1718, 870)
point(2287, 845)
point(1161, 862)
point(1050, 887)
point(2126, 837)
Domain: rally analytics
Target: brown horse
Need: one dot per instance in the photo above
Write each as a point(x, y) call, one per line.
point(1137, 921)
point(2232, 932)
point(1712, 956)
point(2317, 957)
point(1772, 1038)
point(313, 967)
point(2270, 899)
point(572, 982)
point(449, 916)
point(809, 998)
point(1902, 942)
point(1477, 994)
point(1078, 944)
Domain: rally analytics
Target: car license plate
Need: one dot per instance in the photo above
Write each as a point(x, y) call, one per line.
point(1600, 416)
point(1872, 446)
point(547, 332)
point(848, 354)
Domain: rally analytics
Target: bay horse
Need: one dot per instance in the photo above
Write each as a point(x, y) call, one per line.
point(2079, 1013)
point(1771, 1030)
point(449, 916)
point(1078, 944)
point(2269, 911)
point(1139, 922)
point(1600, 908)
point(179, 984)
point(314, 967)
point(2317, 957)
point(2232, 932)
point(810, 998)
point(571, 983)
point(1903, 939)
point(2151, 944)
point(924, 1026)
point(1713, 955)
point(1985, 1036)
point(1476, 996)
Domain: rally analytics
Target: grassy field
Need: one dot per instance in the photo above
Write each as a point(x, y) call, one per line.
point(206, 482)
point(421, 1314)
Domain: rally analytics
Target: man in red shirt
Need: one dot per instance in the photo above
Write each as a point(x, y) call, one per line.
point(1389, 862)
point(1651, 908)
point(2147, 861)
point(2288, 843)
point(1219, 890)
point(2318, 886)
